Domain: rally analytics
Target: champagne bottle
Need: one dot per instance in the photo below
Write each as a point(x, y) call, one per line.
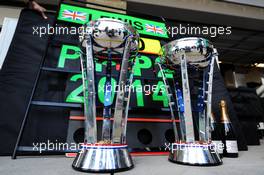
point(229, 138)
point(216, 136)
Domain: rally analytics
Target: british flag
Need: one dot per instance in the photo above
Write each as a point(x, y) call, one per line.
point(73, 15)
point(154, 29)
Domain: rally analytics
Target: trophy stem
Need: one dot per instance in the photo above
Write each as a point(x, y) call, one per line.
point(189, 129)
point(106, 135)
point(87, 67)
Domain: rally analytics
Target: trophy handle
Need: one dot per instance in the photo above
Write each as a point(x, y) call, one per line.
point(123, 139)
point(201, 109)
point(209, 96)
point(87, 68)
point(180, 105)
point(120, 113)
point(176, 135)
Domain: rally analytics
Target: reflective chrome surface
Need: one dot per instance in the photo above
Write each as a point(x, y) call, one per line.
point(103, 159)
point(184, 54)
point(102, 39)
point(199, 154)
point(197, 51)
point(112, 33)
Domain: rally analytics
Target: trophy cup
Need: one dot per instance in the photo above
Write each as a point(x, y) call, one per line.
point(190, 56)
point(106, 40)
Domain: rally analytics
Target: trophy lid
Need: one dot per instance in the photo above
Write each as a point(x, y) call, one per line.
point(197, 50)
point(111, 33)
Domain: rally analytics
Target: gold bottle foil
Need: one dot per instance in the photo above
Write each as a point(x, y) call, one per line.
point(224, 113)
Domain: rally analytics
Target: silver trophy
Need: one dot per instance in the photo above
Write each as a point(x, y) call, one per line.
point(192, 136)
point(106, 40)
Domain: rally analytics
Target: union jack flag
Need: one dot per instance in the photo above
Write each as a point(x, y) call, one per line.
point(154, 29)
point(73, 15)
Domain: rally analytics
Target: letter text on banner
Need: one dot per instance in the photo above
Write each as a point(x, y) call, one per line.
point(82, 15)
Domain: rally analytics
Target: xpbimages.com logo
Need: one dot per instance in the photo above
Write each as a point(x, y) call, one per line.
point(213, 147)
point(59, 30)
point(64, 147)
point(173, 31)
point(210, 31)
point(146, 89)
point(55, 146)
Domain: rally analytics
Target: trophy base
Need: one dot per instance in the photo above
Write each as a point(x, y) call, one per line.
point(103, 158)
point(195, 154)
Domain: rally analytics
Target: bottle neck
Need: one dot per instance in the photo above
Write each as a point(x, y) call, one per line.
point(224, 114)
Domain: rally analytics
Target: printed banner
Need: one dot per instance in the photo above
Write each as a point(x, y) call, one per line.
point(81, 15)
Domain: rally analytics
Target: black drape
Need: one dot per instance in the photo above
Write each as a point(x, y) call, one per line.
point(18, 74)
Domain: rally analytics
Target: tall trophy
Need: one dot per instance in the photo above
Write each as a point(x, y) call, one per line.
point(190, 57)
point(106, 40)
